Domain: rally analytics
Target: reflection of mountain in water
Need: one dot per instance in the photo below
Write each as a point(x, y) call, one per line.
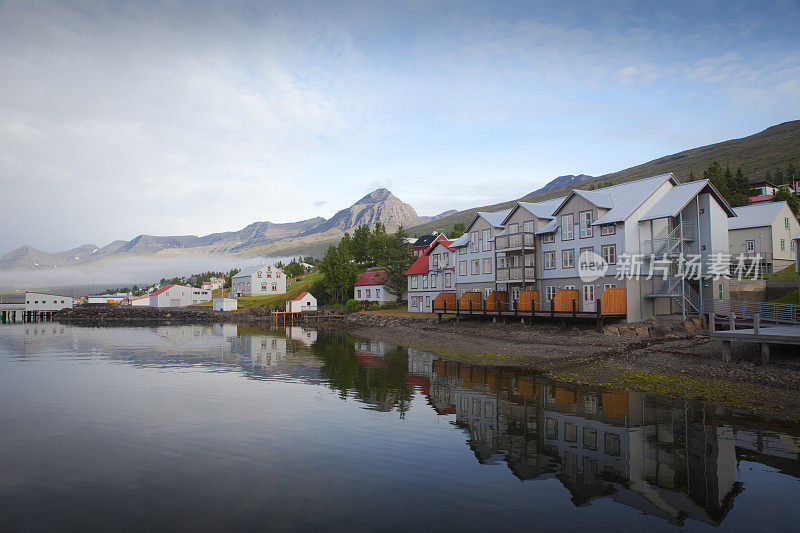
point(665, 458)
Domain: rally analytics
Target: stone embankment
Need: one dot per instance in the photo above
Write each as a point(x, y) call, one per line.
point(655, 328)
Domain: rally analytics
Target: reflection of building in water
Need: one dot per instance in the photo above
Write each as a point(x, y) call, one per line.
point(665, 458)
point(370, 348)
point(306, 337)
point(263, 351)
point(224, 330)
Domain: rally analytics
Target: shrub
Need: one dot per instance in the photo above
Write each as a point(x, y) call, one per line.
point(353, 306)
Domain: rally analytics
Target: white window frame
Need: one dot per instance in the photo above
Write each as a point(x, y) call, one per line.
point(527, 226)
point(550, 292)
point(414, 282)
point(567, 227)
point(608, 229)
point(358, 294)
point(448, 279)
point(462, 268)
point(721, 291)
point(487, 265)
point(486, 236)
point(548, 238)
point(783, 245)
point(568, 253)
point(612, 249)
point(750, 246)
point(473, 241)
point(513, 228)
point(549, 260)
point(607, 286)
point(424, 282)
point(585, 224)
point(474, 267)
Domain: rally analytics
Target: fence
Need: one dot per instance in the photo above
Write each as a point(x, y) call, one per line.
point(767, 312)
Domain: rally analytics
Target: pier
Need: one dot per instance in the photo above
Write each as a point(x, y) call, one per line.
point(11, 313)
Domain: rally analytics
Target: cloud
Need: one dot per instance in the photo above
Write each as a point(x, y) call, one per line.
point(320, 203)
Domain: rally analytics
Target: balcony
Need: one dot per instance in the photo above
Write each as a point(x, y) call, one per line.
point(670, 241)
point(517, 273)
point(514, 241)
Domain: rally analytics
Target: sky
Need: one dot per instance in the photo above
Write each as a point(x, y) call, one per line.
point(123, 118)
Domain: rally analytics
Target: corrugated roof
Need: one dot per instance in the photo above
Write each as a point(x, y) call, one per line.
point(302, 295)
point(372, 277)
point(550, 227)
point(162, 289)
point(675, 200)
point(755, 216)
point(496, 218)
point(542, 209)
point(460, 241)
point(249, 271)
point(420, 266)
point(600, 198)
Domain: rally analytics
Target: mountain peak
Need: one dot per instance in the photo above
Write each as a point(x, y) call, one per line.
point(378, 195)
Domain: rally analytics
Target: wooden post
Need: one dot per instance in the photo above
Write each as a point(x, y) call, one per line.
point(470, 307)
point(444, 310)
point(732, 321)
point(573, 309)
point(764, 353)
point(756, 323)
point(552, 308)
point(599, 316)
point(515, 309)
point(712, 322)
point(726, 351)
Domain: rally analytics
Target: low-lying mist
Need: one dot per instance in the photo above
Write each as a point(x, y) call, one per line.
point(122, 272)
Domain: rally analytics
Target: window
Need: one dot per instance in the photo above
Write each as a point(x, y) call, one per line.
point(750, 246)
point(473, 241)
point(487, 240)
point(721, 291)
point(588, 293)
point(448, 280)
point(611, 445)
point(548, 238)
point(607, 286)
point(427, 301)
point(358, 294)
point(377, 293)
point(568, 259)
point(590, 438)
point(462, 250)
point(274, 287)
point(586, 224)
point(263, 286)
point(569, 287)
point(549, 260)
point(487, 265)
point(608, 229)
point(550, 293)
point(446, 257)
point(433, 281)
point(586, 258)
point(474, 267)
point(424, 282)
point(791, 247)
point(570, 432)
point(368, 292)
point(436, 261)
point(529, 260)
point(513, 228)
point(414, 282)
point(527, 226)
point(567, 229)
point(501, 262)
point(551, 428)
point(609, 254)
point(783, 245)
point(269, 274)
point(462, 268)
point(786, 222)
point(259, 274)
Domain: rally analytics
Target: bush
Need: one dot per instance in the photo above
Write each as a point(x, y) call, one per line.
point(353, 306)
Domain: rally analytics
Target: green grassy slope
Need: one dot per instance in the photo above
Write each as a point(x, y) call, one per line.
point(776, 146)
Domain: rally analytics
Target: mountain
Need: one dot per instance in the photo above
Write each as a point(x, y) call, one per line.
point(570, 180)
point(775, 146)
point(310, 236)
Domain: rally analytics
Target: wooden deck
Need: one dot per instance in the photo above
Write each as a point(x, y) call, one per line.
point(754, 331)
point(519, 314)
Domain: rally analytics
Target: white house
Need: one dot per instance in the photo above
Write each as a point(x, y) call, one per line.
point(304, 302)
point(764, 230)
point(39, 301)
point(212, 284)
point(371, 286)
point(225, 304)
point(259, 280)
point(178, 296)
point(107, 298)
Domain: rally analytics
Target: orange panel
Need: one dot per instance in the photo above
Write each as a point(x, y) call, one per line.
point(615, 404)
point(528, 301)
point(497, 300)
point(467, 297)
point(443, 298)
point(613, 302)
point(565, 396)
point(526, 389)
point(563, 300)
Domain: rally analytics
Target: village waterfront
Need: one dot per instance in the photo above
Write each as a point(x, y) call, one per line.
point(224, 425)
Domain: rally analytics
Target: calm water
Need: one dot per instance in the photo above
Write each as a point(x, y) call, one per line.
point(212, 428)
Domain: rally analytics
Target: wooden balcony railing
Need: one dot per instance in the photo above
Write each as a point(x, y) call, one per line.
point(517, 273)
point(515, 240)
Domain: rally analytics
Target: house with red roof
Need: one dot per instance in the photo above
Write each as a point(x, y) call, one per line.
point(304, 302)
point(431, 274)
point(371, 287)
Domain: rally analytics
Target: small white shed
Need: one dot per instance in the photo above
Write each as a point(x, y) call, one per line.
point(225, 304)
point(304, 302)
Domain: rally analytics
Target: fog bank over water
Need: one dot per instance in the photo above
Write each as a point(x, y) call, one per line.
point(127, 271)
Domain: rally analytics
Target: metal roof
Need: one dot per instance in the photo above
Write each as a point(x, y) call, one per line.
point(543, 209)
point(755, 216)
point(460, 241)
point(249, 271)
point(675, 200)
point(550, 227)
point(600, 198)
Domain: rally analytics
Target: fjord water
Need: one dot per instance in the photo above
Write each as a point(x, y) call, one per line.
point(226, 427)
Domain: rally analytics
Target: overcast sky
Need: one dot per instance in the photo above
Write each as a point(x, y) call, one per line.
point(121, 118)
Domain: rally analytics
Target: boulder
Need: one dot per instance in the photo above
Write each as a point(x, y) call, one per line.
point(642, 331)
point(611, 330)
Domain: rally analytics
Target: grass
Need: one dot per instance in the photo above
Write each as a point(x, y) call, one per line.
point(791, 298)
point(298, 285)
point(787, 273)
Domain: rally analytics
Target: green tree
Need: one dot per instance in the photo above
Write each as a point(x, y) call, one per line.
point(340, 273)
point(361, 238)
point(397, 260)
point(782, 195)
point(293, 269)
point(458, 230)
point(780, 179)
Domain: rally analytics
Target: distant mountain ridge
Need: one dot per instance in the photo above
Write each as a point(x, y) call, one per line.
point(569, 180)
point(775, 146)
point(258, 238)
